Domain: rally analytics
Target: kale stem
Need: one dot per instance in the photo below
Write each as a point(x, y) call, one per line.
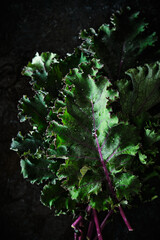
point(99, 234)
point(75, 236)
point(80, 237)
point(101, 157)
point(80, 230)
point(107, 173)
point(90, 228)
point(104, 221)
point(88, 209)
point(112, 155)
point(76, 222)
point(125, 219)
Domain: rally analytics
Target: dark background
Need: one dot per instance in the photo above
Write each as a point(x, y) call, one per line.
point(27, 27)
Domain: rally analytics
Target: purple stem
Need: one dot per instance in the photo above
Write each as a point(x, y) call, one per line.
point(104, 141)
point(80, 237)
point(112, 155)
point(99, 234)
point(76, 222)
point(90, 228)
point(101, 157)
point(125, 219)
point(105, 219)
point(88, 209)
point(107, 173)
point(104, 222)
point(75, 236)
point(80, 230)
point(105, 169)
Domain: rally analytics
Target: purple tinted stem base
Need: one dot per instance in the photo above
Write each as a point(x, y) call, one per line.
point(75, 236)
point(90, 229)
point(99, 234)
point(104, 221)
point(80, 230)
point(76, 222)
point(80, 237)
point(107, 174)
point(125, 219)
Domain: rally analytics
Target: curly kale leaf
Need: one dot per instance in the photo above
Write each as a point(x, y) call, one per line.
point(53, 195)
point(141, 92)
point(36, 168)
point(35, 110)
point(90, 131)
point(120, 45)
point(30, 143)
point(47, 71)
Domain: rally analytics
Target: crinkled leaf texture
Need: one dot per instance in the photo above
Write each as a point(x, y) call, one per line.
point(120, 44)
point(55, 195)
point(88, 111)
point(39, 158)
point(142, 89)
point(47, 71)
point(35, 110)
point(30, 143)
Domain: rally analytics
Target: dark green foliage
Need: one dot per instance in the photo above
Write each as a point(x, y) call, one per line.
point(35, 110)
point(30, 143)
point(55, 195)
point(93, 106)
point(120, 44)
point(47, 71)
point(142, 89)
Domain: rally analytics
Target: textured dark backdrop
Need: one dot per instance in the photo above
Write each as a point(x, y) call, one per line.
point(27, 27)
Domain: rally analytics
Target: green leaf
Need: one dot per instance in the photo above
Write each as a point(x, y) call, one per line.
point(141, 92)
point(36, 169)
point(89, 184)
point(54, 196)
point(85, 121)
point(35, 110)
point(119, 45)
point(30, 143)
point(47, 71)
point(101, 202)
point(40, 66)
point(142, 158)
point(151, 137)
point(126, 185)
point(70, 171)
